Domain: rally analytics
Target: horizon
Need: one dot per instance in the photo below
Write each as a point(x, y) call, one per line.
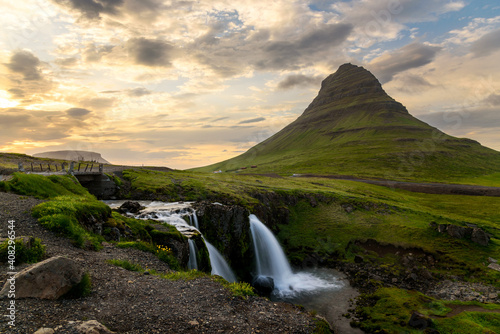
point(190, 84)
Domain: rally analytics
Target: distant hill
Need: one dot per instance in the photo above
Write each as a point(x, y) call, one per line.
point(73, 156)
point(354, 128)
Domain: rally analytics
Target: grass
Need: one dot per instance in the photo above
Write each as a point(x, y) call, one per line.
point(388, 215)
point(68, 215)
point(125, 264)
point(26, 251)
point(238, 289)
point(43, 187)
point(390, 309)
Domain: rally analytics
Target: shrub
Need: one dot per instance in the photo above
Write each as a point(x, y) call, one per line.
point(165, 254)
point(30, 251)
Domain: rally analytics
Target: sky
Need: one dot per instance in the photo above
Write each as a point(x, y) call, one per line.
point(190, 83)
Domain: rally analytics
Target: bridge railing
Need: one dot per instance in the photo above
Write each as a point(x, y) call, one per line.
point(72, 168)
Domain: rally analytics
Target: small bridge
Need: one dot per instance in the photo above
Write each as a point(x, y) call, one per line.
point(74, 168)
point(90, 175)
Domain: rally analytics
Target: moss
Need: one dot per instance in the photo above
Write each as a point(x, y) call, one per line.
point(321, 326)
point(27, 251)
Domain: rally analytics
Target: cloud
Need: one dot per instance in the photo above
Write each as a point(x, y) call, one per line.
point(487, 44)
point(16, 93)
point(66, 62)
point(298, 80)
point(78, 112)
point(493, 100)
point(90, 9)
point(25, 63)
point(94, 53)
point(409, 56)
point(463, 121)
point(139, 91)
point(288, 54)
point(149, 52)
point(252, 120)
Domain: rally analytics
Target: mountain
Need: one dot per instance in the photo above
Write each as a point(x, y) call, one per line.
point(73, 156)
point(354, 128)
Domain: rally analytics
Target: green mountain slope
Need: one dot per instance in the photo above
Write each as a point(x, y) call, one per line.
point(354, 128)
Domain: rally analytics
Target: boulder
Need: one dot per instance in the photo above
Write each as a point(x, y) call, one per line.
point(263, 285)
point(77, 327)
point(458, 232)
point(49, 279)
point(480, 237)
point(45, 331)
point(132, 207)
point(92, 327)
point(419, 321)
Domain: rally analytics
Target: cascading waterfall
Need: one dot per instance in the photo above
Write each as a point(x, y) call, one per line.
point(195, 220)
point(193, 261)
point(272, 262)
point(219, 265)
point(173, 213)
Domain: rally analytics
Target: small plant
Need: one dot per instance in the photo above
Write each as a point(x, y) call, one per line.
point(184, 275)
point(165, 254)
point(241, 289)
point(125, 264)
point(27, 251)
point(82, 289)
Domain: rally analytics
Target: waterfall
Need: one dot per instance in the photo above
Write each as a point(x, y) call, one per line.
point(272, 262)
point(270, 258)
point(219, 265)
point(195, 220)
point(193, 261)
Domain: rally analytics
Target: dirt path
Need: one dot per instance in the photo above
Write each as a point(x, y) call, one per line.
point(129, 302)
point(428, 188)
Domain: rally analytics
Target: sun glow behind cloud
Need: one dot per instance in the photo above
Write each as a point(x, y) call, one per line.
point(184, 84)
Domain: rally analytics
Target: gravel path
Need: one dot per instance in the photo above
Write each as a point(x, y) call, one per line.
point(129, 302)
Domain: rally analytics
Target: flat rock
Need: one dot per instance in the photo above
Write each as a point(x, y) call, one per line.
point(494, 266)
point(49, 279)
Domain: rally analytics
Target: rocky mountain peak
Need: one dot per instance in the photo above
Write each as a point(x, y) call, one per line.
point(346, 85)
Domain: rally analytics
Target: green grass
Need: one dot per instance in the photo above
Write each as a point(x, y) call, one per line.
point(125, 264)
point(70, 209)
point(43, 187)
point(68, 215)
point(26, 251)
point(390, 309)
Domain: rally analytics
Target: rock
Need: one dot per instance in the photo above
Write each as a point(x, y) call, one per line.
point(419, 321)
point(194, 323)
point(442, 228)
point(45, 331)
point(49, 279)
point(458, 232)
point(480, 237)
point(492, 260)
point(263, 285)
point(358, 259)
point(494, 266)
point(132, 207)
point(114, 234)
point(92, 327)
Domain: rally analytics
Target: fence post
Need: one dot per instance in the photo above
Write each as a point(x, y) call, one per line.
point(71, 167)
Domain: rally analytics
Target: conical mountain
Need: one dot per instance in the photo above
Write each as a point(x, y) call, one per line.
point(354, 128)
